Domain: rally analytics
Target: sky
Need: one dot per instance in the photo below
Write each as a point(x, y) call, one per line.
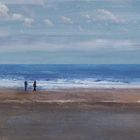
point(69, 31)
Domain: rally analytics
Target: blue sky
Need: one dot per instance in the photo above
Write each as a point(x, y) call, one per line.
point(70, 31)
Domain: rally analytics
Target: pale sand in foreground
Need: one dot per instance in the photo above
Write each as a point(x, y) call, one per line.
point(73, 114)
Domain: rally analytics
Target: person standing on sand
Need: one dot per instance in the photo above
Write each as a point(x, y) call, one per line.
point(34, 86)
point(25, 85)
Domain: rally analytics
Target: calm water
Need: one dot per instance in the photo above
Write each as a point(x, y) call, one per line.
point(70, 76)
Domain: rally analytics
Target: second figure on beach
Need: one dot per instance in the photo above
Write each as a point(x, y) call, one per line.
point(34, 86)
point(25, 85)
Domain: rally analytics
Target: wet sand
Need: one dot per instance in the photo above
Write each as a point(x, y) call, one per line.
point(74, 114)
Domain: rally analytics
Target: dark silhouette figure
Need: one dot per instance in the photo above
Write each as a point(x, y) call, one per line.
point(34, 86)
point(25, 85)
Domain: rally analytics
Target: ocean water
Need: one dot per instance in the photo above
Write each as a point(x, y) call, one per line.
point(70, 76)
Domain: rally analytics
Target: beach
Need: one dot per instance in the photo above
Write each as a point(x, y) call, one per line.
point(69, 70)
point(65, 114)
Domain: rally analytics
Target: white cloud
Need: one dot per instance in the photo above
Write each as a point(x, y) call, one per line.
point(18, 17)
point(87, 16)
point(28, 21)
point(3, 10)
point(49, 22)
point(119, 1)
point(5, 13)
point(65, 19)
point(107, 15)
point(22, 18)
point(102, 15)
point(109, 44)
point(41, 2)
point(82, 46)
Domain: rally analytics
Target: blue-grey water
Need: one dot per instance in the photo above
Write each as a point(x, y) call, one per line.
point(70, 76)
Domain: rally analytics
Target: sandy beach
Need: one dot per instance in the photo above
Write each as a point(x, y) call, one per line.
point(72, 114)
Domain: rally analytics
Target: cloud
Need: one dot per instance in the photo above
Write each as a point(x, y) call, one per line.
point(28, 21)
point(22, 18)
point(87, 16)
point(102, 15)
point(119, 1)
point(5, 13)
point(80, 46)
point(35, 2)
point(109, 44)
point(49, 22)
point(3, 10)
point(65, 19)
point(18, 17)
point(106, 15)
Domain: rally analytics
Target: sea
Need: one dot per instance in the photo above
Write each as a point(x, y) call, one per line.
point(65, 76)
